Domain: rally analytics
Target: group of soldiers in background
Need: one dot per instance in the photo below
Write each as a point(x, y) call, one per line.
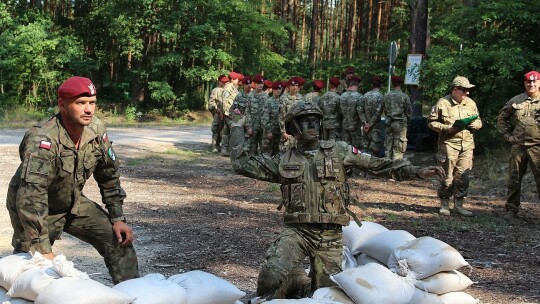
point(347, 114)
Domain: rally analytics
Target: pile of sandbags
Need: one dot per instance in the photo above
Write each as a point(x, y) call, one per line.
point(393, 266)
point(35, 279)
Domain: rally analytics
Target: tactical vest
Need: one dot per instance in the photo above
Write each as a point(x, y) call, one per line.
point(314, 189)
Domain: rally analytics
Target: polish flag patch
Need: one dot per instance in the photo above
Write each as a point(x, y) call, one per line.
point(45, 145)
point(105, 137)
point(355, 150)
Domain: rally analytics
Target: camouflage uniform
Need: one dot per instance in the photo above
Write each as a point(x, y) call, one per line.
point(314, 98)
point(343, 85)
point(254, 115)
point(520, 118)
point(350, 124)
point(217, 117)
point(45, 194)
point(316, 197)
point(227, 98)
point(397, 108)
point(370, 110)
point(286, 101)
point(270, 124)
point(331, 116)
point(455, 150)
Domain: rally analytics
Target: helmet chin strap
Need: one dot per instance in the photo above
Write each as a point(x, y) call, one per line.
point(297, 127)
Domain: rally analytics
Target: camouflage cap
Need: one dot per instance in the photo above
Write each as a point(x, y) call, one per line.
point(462, 82)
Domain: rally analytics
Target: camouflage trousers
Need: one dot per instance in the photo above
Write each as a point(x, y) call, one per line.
point(396, 140)
point(91, 226)
point(226, 135)
point(373, 141)
point(282, 273)
point(217, 128)
point(520, 157)
point(255, 142)
point(457, 165)
point(352, 137)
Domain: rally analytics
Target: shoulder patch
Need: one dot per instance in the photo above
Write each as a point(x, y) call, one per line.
point(432, 110)
point(355, 150)
point(105, 137)
point(45, 145)
point(111, 154)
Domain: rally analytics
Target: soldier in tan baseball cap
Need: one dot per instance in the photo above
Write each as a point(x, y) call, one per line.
point(462, 82)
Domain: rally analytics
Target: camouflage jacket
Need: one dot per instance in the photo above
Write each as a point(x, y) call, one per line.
point(214, 100)
point(53, 172)
point(443, 115)
point(343, 85)
point(397, 106)
point(348, 105)
point(227, 98)
point(371, 107)
point(314, 186)
point(314, 98)
point(331, 112)
point(240, 102)
point(520, 117)
point(254, 111)
point(286, 101)
point(270, 119)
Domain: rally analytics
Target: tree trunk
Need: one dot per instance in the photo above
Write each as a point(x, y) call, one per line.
point(417, 45)
point(312, 42)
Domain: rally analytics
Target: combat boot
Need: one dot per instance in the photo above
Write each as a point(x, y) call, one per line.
point(445, 207)
point(460, 209)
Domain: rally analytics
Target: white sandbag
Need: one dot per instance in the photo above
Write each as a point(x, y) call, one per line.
point(348, 261)
point(458, 297)
point(363, 259)
point(332, 294)
point(153, 288)
point(66, 268)
point(4, 299)
point(354, 236)
point(424, 257)
point(374, 284)
point(206, 288)
point(11, 267)
point(297, 301)
point(422, 297)
point(381, 245)
point(71, 290)
point(31, 282)
point(444, 282)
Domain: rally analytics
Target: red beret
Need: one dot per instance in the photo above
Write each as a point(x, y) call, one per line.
point(376, 79)
point(355, 78)
point(532, 75)
point(319, 84)
point(293, 80)
point(334, 81)
point(246, 80)
point(277, 85)
point(284, 84)
point(349, 70)
point(301, 81)
point(76, 86)
point(258, 79)
point(234, 75)
point(268, 83)
point(397, 79)
point(223, 78)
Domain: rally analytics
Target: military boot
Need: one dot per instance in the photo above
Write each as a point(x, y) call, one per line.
point(445, 205)
point(460, 209)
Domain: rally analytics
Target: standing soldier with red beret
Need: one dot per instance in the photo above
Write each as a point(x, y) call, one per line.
point(270, 121)
point(345, 81)
point(217, 117)
point(286, 101)
point(230, 90)
point(315, 96)
point(397, 108)
point(370, 115)
point(254, 112)
point(519, 122)
point(45, 196)
point(348, 104)
point(331, 114)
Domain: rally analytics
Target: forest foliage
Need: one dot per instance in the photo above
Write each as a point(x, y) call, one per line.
point(165, 55)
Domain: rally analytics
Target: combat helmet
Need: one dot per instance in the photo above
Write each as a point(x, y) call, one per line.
point(298, 109)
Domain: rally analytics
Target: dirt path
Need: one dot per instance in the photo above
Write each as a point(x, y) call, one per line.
point(190, 211)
